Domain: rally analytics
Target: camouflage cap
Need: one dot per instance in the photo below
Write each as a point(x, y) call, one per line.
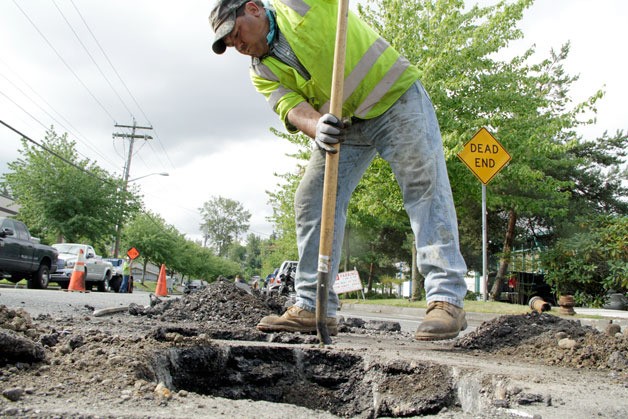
point(222, 19)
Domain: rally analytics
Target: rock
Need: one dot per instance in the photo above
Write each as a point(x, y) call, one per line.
point(501, 403)
point(613, 329)
point(10, 411)
point(76, 342)
point(352, 322)
point(529, 398)
point(15, 348)
point(50, 340)
point(382, 325)
point(561, 335)
point(13, 394)
point(618, 361)
point(567, 343)
point(162, 391)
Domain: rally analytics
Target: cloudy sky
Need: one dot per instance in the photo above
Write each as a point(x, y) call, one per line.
point(85, 66)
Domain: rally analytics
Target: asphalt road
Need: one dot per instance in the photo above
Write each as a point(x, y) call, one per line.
point(58, 302)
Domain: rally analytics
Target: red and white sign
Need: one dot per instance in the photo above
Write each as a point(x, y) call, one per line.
point(347, 282)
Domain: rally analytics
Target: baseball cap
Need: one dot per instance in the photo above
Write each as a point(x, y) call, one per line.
point(222, 18)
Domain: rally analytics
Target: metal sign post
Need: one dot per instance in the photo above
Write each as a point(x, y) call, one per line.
point(485, 157)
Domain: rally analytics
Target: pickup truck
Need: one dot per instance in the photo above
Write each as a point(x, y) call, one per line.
point(23, 257)
point(98, 271)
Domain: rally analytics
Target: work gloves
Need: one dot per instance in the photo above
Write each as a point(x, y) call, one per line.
point(329, 130)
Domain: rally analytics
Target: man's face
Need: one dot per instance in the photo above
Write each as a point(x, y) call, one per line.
point(249, 32)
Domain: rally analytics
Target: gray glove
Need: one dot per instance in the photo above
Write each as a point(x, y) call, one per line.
point(329, 130)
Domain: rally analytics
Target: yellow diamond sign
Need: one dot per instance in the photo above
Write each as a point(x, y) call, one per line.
point(484, 155)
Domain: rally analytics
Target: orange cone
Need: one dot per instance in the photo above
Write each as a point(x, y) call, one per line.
point(77, 281)
point(161, 290)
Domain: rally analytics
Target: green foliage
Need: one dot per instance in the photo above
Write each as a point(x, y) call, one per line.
point(78, 202)
point(472, 296)
point(223, 221)
point(591, 262)
point(160, 243)
point(253, 258)
point(150, 235)
point(374, 295)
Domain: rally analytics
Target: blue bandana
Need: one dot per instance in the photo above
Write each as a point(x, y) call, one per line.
point(273, 26)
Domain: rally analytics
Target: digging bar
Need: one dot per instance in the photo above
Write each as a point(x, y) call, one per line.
point(330, 185)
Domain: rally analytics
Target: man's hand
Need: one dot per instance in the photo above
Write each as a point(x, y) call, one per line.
point(329, 130)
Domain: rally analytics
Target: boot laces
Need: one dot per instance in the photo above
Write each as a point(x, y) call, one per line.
point(441, 305)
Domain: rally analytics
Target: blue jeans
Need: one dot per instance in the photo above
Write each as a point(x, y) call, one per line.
point(125, 283)
point(408, 137)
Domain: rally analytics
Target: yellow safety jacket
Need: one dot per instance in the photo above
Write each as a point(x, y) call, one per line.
point(375, 74)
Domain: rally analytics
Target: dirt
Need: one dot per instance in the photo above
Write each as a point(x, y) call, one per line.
point(201, 356)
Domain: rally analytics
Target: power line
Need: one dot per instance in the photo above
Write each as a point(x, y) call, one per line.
point(88, 143)
point(78, 38)
point(63, 61)
point(123, 83)
point(54, 153)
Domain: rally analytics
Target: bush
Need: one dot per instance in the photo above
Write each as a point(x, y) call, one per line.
point(374, 295)
point(592, 262)
point(473, 296)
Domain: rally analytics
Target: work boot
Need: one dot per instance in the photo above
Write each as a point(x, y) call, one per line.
point(295, 319)
point(442, 321)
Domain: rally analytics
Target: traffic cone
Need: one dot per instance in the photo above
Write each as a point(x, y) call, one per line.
point(77, 281)
point(161, 290)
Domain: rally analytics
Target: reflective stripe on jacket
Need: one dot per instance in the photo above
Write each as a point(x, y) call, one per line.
point(375, 74)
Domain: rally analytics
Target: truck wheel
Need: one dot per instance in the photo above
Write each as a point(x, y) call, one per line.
point(40, 278)
point(103, 286)
point(114, 283)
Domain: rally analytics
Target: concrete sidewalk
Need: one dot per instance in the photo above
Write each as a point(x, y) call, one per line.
point(598, 318)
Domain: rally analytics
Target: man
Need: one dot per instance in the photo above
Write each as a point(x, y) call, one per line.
point(126, 285)
point(291, 43)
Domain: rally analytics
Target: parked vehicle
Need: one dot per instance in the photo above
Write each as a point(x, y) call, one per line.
point(116, 274)
point(23, 257)
point(98, 272)
point(283, 280)
point(193, 285)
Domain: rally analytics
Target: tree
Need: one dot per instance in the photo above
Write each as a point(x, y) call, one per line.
point(223, 221)
point(592, 262)
point(253, 261)
point(153, 238)
point(195, 261)
point(526, 105)
point(64, 197)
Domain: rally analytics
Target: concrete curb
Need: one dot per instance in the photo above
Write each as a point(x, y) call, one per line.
point(616, 316)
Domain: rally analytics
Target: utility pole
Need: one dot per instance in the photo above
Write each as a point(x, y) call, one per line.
point(127, 170)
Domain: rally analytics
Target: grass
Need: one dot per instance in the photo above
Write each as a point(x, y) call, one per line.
point(489, 307)
point(148, 286)
point(7, 282)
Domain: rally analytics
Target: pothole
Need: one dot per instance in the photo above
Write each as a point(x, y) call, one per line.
point(343, 384)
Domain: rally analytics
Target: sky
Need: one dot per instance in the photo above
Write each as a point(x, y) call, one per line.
point(86, 66)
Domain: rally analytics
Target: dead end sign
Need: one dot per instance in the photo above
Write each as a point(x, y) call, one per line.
point(484, 155)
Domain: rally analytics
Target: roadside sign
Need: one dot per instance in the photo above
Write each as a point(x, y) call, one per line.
point(133, 253)
point(484, 155)
point(347, 282)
